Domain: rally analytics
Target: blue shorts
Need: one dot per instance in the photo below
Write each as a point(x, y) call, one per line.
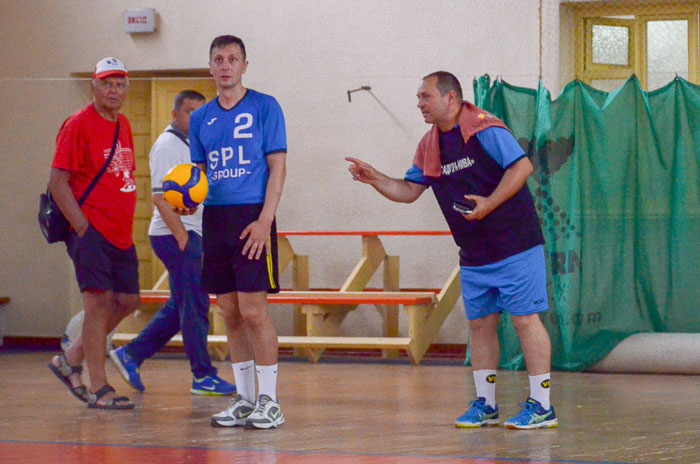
point(225, 269)
point(517, 284)
point(99, 265)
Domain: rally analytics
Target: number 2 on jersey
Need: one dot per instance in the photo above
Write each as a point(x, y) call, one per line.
point(238, 131)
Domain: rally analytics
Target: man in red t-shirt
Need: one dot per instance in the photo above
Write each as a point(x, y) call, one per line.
point(100, 243)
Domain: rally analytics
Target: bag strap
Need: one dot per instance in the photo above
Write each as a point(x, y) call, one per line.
point(179, 135)
point(85, 194)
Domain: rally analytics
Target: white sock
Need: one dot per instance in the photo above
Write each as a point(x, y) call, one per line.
point(267, 380)
point(244, 376)
point(485, 382)
point(539, 389)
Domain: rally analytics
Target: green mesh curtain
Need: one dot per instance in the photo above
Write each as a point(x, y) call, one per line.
point(617, 188)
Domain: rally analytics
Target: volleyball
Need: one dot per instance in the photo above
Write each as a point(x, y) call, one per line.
point(185, 186)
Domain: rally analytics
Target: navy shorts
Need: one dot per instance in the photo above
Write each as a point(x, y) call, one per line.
point(100, 265)
point(225, 268)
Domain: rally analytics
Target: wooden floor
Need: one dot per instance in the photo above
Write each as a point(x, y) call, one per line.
point(356, 412)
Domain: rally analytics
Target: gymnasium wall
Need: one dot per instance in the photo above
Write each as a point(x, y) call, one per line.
point(307, 54)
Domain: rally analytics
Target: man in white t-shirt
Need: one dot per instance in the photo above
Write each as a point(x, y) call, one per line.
point(177, 241)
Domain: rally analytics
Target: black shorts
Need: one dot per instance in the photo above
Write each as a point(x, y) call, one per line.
point(100, 265)
point(225, 268)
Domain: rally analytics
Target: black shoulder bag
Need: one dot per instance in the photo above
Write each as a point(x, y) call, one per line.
point(52, 222)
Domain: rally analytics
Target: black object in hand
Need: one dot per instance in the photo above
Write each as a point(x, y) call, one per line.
point(464, 206)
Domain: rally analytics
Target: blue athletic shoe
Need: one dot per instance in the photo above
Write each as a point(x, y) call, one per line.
point(127, 367)
point(479, 414)
point(212, 385)
point(533, 416)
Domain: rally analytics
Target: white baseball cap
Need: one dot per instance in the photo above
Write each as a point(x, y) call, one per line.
point(109, 66)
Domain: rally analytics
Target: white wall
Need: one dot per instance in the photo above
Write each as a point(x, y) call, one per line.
point(307, 54)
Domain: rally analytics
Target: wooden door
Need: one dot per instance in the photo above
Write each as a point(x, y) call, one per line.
point(138, 109)
point(148, 108)
point(164, 92)
point(163, 95)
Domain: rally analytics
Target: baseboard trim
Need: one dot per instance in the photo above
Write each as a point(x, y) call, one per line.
point(30, 343)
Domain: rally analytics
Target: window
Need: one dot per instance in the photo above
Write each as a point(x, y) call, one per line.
point(655, 41)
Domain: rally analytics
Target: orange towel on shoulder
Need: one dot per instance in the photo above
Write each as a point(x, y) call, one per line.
point(472, 119)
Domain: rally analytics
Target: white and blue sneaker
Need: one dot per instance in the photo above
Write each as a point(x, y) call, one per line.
point(127, 367)
point(212, 385)
point(533, 416)
point(479, 414)
point(267, 414)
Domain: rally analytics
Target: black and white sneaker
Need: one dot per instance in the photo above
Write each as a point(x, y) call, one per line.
point(267, 414)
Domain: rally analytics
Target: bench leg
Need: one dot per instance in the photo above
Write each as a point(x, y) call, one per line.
point(313, 354)
point(424, 322)
point(299, 324)
point(220, 352)
point(390, 315)
point(322, 322)
point(420, 337)
point(217, 326)
point(300, 281)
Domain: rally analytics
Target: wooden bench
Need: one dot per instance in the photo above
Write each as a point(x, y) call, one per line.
point(327, 297)
point(319, 313)
point(322, 310)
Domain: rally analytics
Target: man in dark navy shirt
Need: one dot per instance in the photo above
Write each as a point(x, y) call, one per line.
point(470, 156)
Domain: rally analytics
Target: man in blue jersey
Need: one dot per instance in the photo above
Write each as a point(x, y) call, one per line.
point(470, 157)
point(239, 140)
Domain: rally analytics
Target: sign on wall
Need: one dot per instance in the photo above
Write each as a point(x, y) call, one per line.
point(140, 21)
